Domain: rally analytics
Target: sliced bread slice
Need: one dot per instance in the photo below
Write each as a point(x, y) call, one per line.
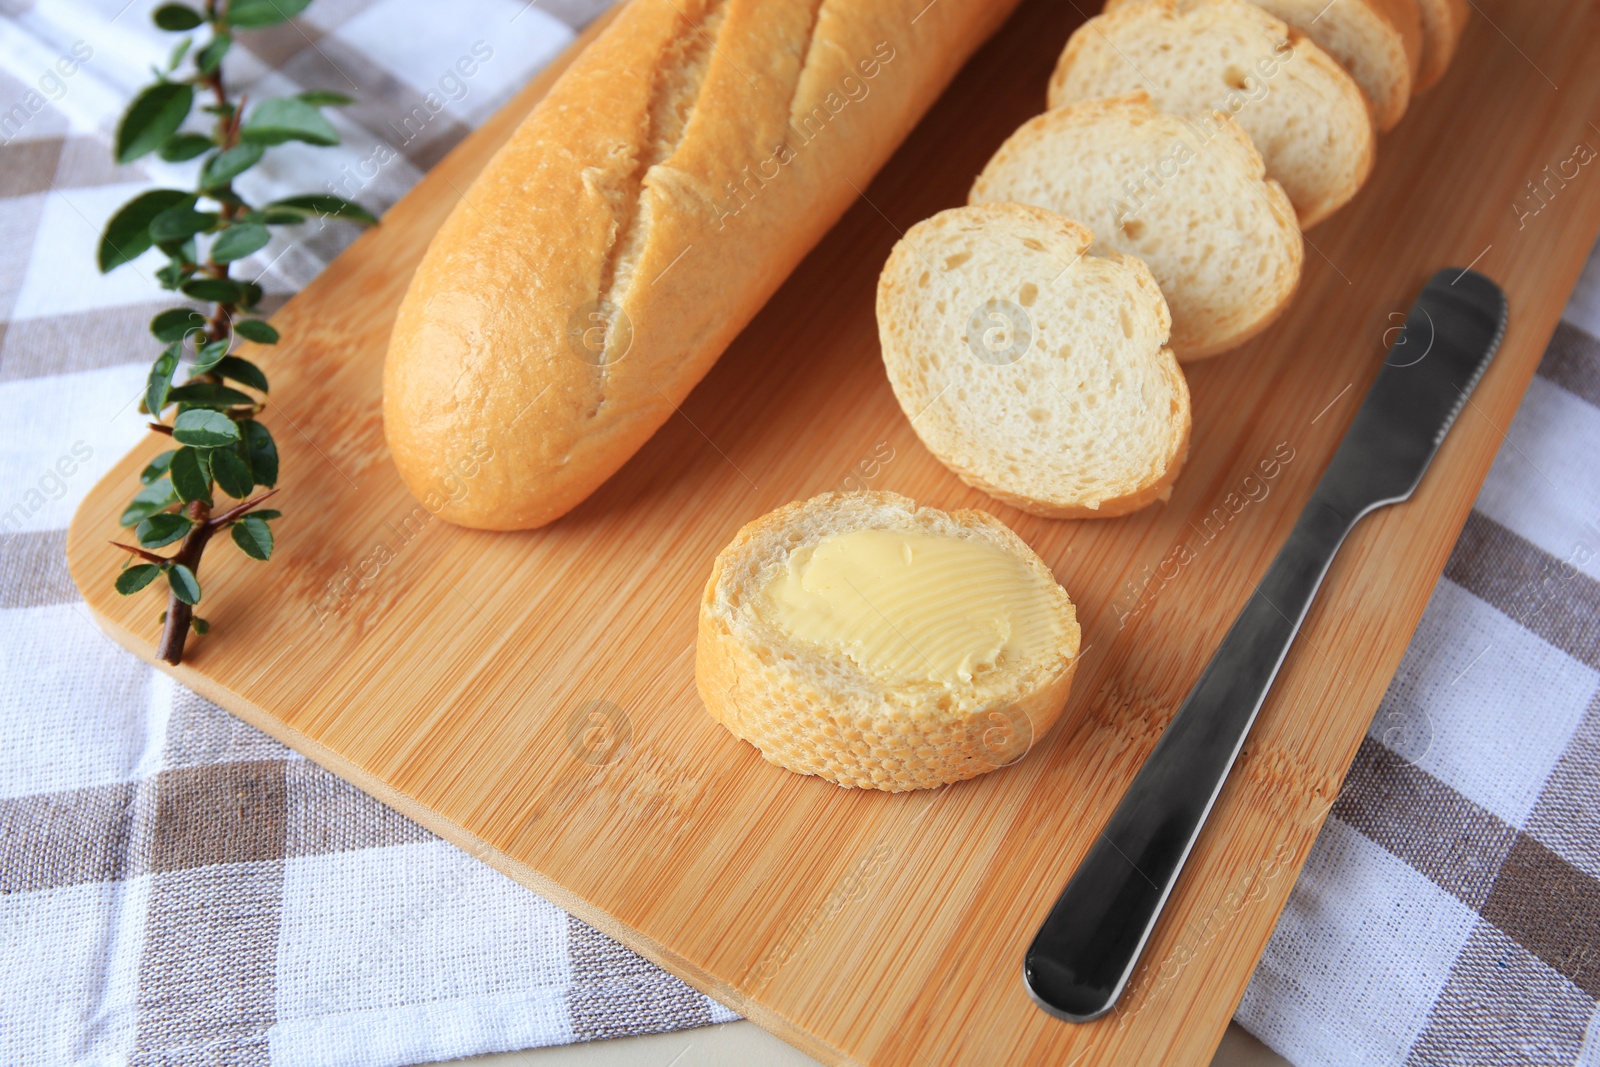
point(1034, 369)
point(1197, 58)
point(1378, 41)
point(1190, 201)
point(834, 697)
point(1442, 23)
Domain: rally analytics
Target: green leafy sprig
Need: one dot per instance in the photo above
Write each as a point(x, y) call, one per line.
point(222, 446)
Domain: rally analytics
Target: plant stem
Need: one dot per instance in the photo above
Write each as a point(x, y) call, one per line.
point(180, 615)
point(175, 633)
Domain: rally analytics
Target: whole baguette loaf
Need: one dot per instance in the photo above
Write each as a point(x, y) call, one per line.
point(654, 199)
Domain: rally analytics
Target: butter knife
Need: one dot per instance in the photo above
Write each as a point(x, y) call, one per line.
point(1081, 958)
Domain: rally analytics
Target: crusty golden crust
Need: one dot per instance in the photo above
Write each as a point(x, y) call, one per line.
point(886, 745)
point(670, 180)
point(1442, 23)
point(1134, 499)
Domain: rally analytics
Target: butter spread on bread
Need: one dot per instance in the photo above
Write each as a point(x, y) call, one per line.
point(907, 606)
point(817, 690)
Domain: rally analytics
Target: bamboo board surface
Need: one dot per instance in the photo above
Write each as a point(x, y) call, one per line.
point(531, 696)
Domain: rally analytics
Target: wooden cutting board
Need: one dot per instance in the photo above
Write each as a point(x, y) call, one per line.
point(531, 696)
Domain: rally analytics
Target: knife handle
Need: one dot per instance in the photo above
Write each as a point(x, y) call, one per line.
point(1083, 955)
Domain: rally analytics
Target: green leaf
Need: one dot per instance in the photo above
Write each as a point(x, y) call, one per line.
point(252, 534)
point(263, 452)
point(228, 164)
point(136, 578)
point(204, 429)
point(285, 118)
point(209, 59)
point(253, 14)
point(209, 356)
point(163, 529)
point(158, 466)
point(174, 275)
point(177, 17)
point(267, 514)
point(238, 241)
point(278, 217)
point(147, 501)
point(159, 384)
point(154, 115)
point(175, 324)
point(207, 395)
point(250, 294)
point(183, 146)
point(183, 251)
point(214, 290)
point(242, 371)
point(259, 332)
point(179, 50)
point(320, 205)
point(232, 473)
point(324, 98)
point(199, 625)
point(191, 475)
point(180, 223)
point(185, 586)
point(127, 235)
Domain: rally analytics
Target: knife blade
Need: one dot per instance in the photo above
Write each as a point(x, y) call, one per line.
point(1085, 951)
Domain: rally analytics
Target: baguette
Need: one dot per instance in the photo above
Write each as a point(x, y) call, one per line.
point(1193, 204)
point(1378, 41)
point(1197, 58)
point(1442, 23)
point(631, 226)
point(1033, 369)
point(875, 706)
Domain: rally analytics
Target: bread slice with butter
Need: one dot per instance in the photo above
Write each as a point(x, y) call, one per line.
point(1034, 369)
point(879, 645)
point(1306, 115)
point(1192, 202)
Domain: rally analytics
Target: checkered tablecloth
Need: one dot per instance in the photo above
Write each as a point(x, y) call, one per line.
point(177, 887)
point(1450, 910)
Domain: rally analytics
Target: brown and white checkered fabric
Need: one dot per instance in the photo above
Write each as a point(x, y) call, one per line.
point(1450, 910)
point(175, 886)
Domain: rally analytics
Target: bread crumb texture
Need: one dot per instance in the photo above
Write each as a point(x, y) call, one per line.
point(1034, 369)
